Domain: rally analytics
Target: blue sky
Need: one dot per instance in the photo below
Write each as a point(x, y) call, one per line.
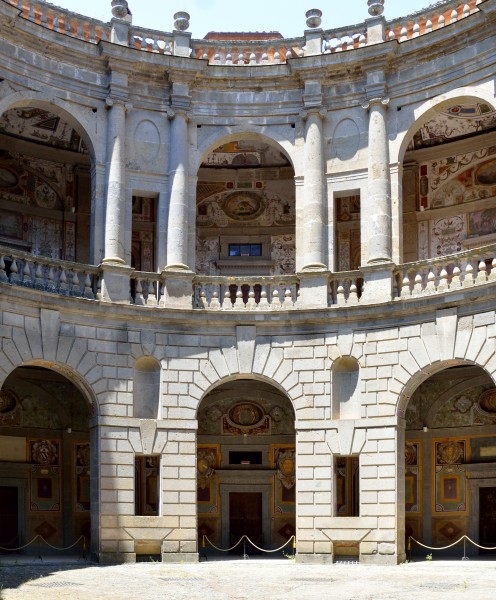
point(285, 16)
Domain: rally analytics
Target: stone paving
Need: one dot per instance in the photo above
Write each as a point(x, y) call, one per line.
point(255, 579)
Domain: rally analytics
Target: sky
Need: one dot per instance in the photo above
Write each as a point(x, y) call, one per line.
point(285, 16)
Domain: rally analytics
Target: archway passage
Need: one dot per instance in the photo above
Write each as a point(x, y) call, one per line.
point(449, 181)
point(44, 462)
point(245, 212)
point(450, 460)
point(45, 185)
point(246, 478)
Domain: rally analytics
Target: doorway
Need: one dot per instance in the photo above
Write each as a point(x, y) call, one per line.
point(9, 518)
point(245, 517)
point(487, 518)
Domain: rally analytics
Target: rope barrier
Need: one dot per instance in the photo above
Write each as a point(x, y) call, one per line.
point(464, 538)
point(245, 537)
point(47, 543)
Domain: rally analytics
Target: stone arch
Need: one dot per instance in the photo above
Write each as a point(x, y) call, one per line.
point(146, 388)
point(424, 373)
point(70, 373)
point(222, 135)
point(423, 113)
point(74, 115)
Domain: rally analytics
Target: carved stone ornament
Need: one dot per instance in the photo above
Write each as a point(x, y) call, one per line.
point(44, 452)
point(286, 467)
point(244, 206)
point(119, 8)
point(205, 464)
point(376, 7)
point(246, 418)
point(450, 453)
point(181, 21)
point(487, 402)
point(314, 18)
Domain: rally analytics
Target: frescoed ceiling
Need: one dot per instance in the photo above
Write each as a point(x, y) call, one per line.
point(245, 153)
point(455, 122)
point(43, 127)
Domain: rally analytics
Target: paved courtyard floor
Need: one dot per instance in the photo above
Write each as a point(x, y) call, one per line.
point(256, 579)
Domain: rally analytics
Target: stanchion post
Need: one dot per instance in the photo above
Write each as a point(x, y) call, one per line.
point(294, 547)
point(465, 557)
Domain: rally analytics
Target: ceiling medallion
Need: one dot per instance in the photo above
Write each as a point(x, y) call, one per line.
point(486, 173)
point(243, 206)
point(487, 402)
point(8, 402)
point(246, 418)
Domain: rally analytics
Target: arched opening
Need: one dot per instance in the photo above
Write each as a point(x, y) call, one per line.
point(450, 460)
point(45, 184)
point(245, 210)
point(449, 180)
point(246, 481)
point(44, 462)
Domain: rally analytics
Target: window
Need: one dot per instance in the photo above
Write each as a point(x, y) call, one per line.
point(347, 478)
point(146, 485)
point(245, 249)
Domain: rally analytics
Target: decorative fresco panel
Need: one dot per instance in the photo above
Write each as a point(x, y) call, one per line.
point(450, 483)
point(207, 490)
point(81, 477)
point(44, 488)
point(413, 476)
point(283, 460)
point(446, 531)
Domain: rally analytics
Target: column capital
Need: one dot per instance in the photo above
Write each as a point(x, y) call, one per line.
point(321, 111)
point(172, 113)
point(378, 100)
point(111, 101)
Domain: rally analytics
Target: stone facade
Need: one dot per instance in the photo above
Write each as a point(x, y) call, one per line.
point(354, 403)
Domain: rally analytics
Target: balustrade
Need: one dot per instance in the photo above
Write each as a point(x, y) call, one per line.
point(345, 289)
point(146, 289)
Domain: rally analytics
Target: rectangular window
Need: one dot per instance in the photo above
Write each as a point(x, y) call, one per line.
point(146, 485)
point(245, 249)
point(347, 479)
point(245, 458)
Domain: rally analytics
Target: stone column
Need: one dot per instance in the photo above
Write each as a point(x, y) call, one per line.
point(313, 217)
point(161, 239)
point(378, 225)
point(97, 245)
point(116, 182)
point(177, 231)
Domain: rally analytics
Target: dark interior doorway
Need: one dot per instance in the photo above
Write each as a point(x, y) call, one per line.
point(487, 517)
point(245, 518)
point(9, 518)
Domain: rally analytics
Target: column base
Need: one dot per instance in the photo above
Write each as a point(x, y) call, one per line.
point(116, 285)
point(178, 288)
point(378, 283)
point(314, 289)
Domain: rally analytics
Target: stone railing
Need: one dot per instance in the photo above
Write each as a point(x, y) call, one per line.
point(345, 288)
point(49, 275)
point(147, 289)
point(251, 52)
point(62, 21)
point(425, 21)
point(447, 273)
point(250, 293)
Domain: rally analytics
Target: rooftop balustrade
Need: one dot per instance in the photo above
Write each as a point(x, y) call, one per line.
point(246, 52)
point(456, 272)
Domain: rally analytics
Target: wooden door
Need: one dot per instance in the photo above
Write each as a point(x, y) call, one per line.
point(8, 518)
point(487, 516)
point(245, 518)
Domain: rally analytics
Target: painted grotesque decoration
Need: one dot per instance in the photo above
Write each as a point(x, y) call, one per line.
point(206, 461)
point(286, 467)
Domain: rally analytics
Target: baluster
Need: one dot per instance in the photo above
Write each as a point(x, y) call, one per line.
point(214, 303)
point(31, 12)
point(202, 296)
point(3, 273)
point(403, 34)
point(443, 283)
point(275, 304)
point(253, 58)
point(428, 26)
point(264, 303)
point(466, 11)
point(362, 40)
point(239, 299)
point(217, 58)
point(353, 297)
point(430, 288)
point(339, 46)
point(43, 16)
point(205, 55)
point(391, 35)
point(456, 279)
point(453, 16)
point(405, 287)
point(99, 286)
point(482, 272)
point(492, 274)
point(265, 58)
point(468, 280)
point(251, 304)
point(88, 290)
point(441, 22)
point(229, 58)
point(152, 296)
point(14, 272)
point(418, 284)
point(50, 284)
point(168, 48)
point(26, 275)
point(277, 57)
point(92, 33)
point(416, 30)
point(340, 294)
point(227, 304)
point(80, 30)
point(288, 299)
point(63, 289)
point(288, 54)
point(139, 299)
point(301, 53)
point(76, 286)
